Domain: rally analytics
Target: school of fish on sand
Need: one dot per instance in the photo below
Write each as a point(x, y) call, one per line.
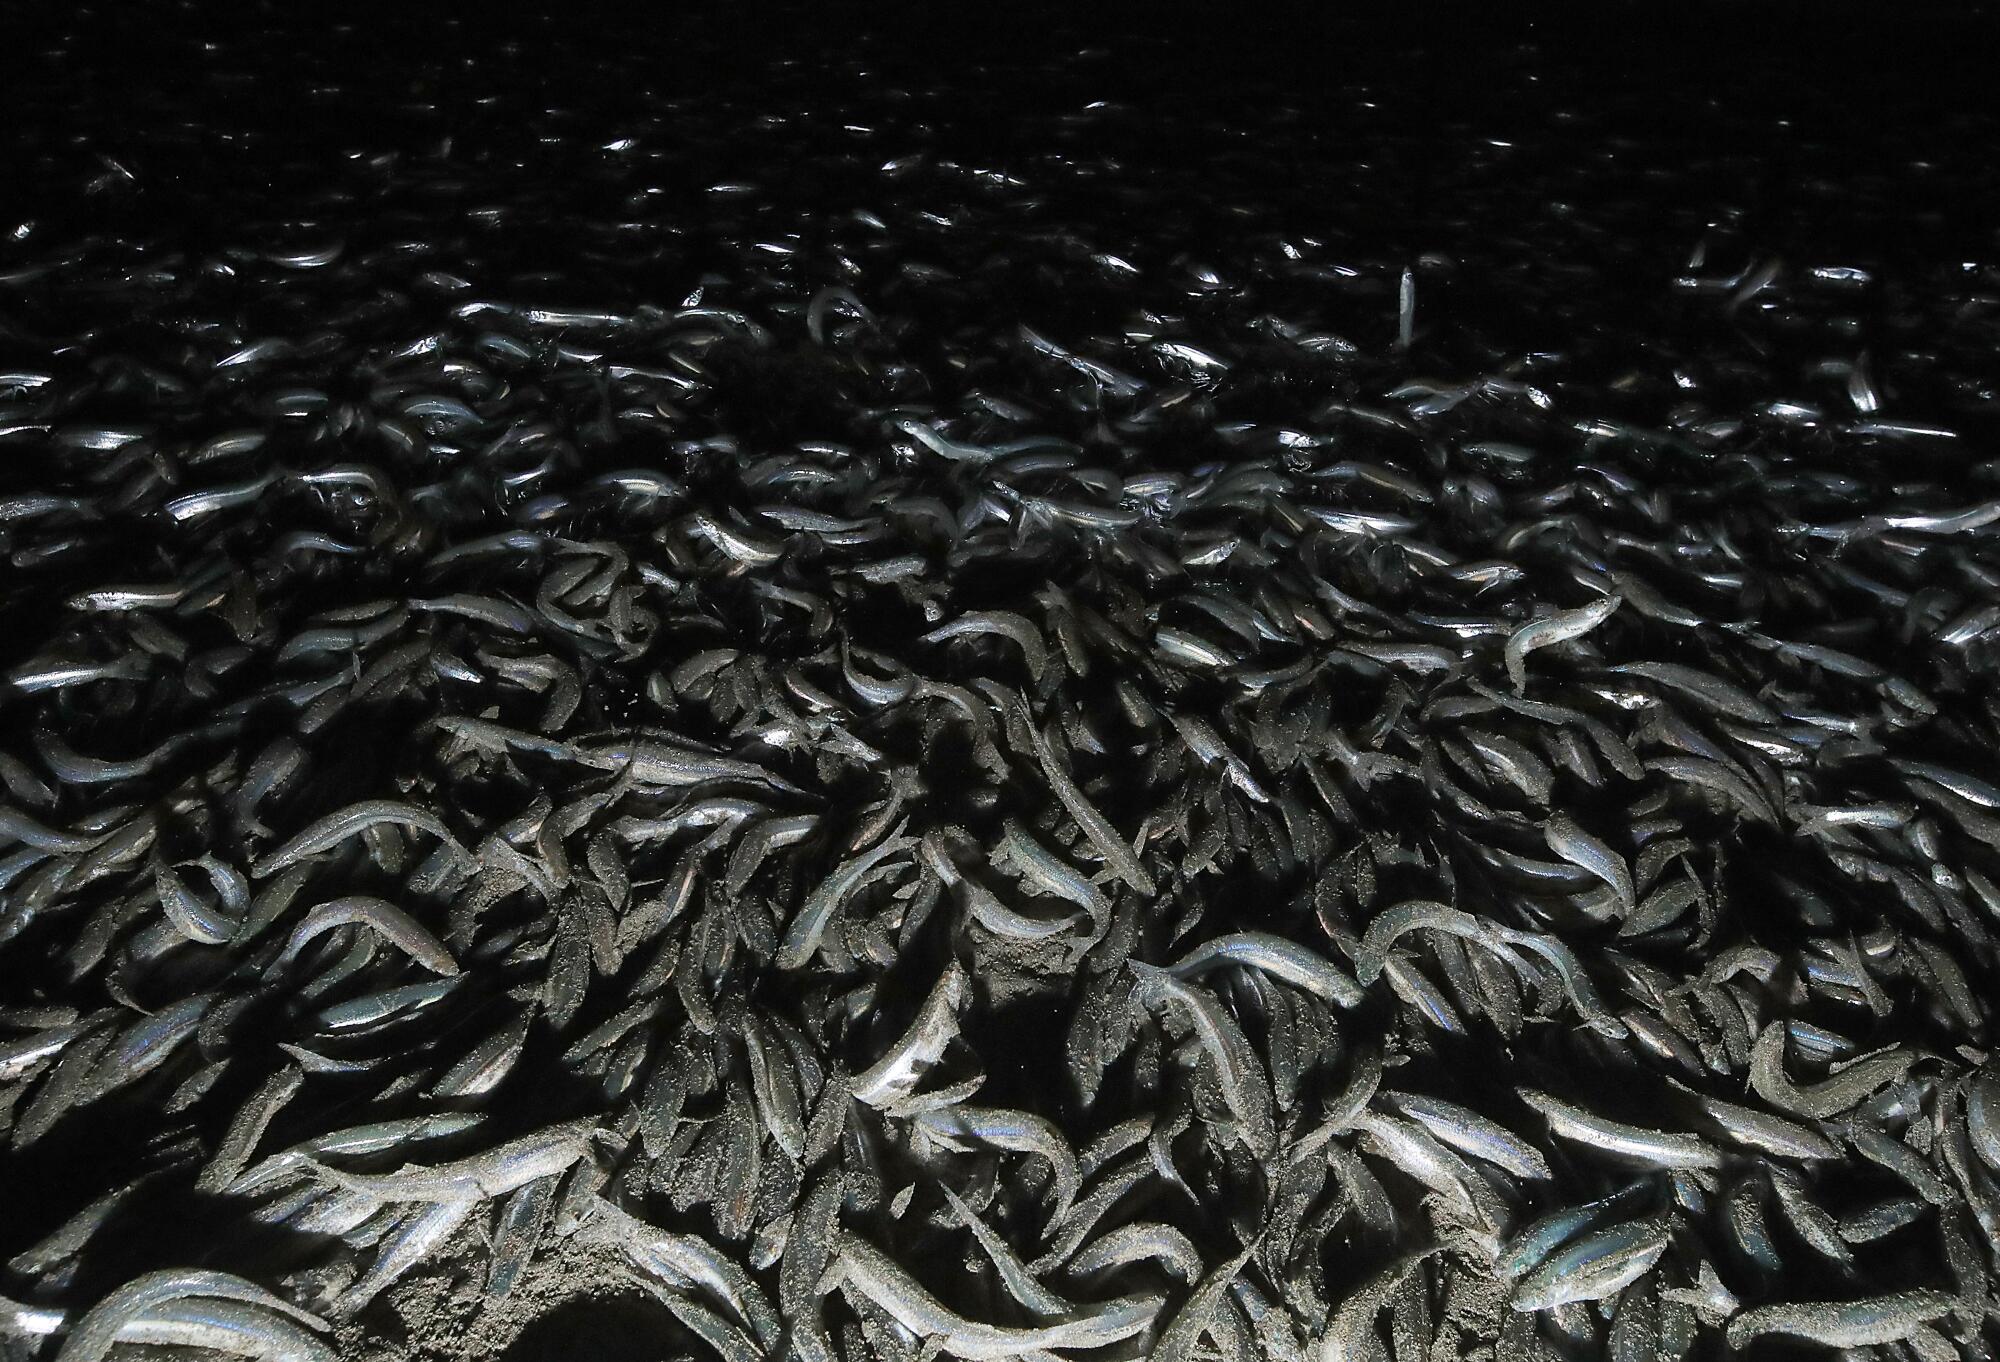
point(1234, 814)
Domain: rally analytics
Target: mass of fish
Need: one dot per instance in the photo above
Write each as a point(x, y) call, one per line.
point(956, 755)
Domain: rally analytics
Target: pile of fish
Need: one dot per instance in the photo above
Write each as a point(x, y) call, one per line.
point(956, 755)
